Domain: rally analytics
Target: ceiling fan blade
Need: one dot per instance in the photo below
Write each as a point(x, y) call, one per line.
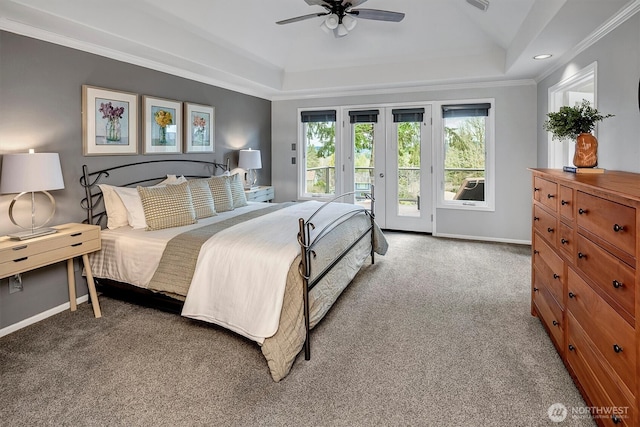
point(354, 3)
point(378, 15)
point(300, 18)
point(316, 2)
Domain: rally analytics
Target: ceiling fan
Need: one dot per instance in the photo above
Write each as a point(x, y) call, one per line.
point(340, 15)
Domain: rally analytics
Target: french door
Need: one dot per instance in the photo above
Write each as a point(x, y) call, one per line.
point(390, 151)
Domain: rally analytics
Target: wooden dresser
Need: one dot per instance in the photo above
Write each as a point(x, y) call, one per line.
point(584, 283)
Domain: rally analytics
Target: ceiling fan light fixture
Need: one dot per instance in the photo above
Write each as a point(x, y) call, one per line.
point(332, 21)
point(341, 31)
point(349, 22)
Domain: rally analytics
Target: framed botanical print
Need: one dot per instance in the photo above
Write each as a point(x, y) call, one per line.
point(162, 131)
point(109, 122)
point(199, 128)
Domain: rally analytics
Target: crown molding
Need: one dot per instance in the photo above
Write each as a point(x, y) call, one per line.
point(618, 19)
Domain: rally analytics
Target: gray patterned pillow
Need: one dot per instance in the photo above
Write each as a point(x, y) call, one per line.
point(202, 198)
point(221, 191)
point(166, 207)
point(237, 191)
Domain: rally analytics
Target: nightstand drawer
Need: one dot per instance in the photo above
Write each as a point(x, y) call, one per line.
point(70, 241)
point(260, 194)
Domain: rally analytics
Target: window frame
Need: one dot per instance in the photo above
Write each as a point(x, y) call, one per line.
point(439, 169)
point(302, 156)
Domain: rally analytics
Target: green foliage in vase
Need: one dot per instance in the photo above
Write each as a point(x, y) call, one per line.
point(570, 122)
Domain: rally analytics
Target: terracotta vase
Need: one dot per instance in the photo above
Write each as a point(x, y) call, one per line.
point(586, 154)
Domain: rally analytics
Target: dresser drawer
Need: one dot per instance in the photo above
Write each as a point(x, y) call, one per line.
point(610, 221)
point(566, 240)
point(604, 388)
point(610, 274)
point(546, 192)
point(550, 277)
point(611, 334)
point(566, 202)
point(545, 223)
point(550, 313)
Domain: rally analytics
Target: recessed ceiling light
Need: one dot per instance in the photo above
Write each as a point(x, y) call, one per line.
point(543, 56)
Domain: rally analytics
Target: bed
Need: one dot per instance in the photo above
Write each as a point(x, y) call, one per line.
point(269, 272)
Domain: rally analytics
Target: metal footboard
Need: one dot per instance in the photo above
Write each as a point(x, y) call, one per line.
point(307, 245)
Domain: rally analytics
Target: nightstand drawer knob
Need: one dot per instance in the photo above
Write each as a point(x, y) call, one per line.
point(617, 348)
point(19, 248)
point(76, 244)
point(76, 234)
point(21, 259)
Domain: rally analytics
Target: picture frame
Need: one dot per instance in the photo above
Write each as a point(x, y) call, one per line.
point(199, 128)
point(109, 122)
point(162, 131)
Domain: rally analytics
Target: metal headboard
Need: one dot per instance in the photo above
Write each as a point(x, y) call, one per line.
point(93, 196)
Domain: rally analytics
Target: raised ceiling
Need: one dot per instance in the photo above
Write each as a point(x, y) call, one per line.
point(237, 45)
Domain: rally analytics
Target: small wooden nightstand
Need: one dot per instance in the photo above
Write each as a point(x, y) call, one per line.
point(71, 240)
point(263, 193)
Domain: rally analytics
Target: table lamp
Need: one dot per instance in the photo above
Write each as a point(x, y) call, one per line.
point(30, 173)
point(250, 161)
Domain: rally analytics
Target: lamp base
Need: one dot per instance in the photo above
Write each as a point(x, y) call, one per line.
point(30, 234)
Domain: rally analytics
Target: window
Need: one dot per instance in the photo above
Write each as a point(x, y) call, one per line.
point(319, 156)
point(467, 153)
point(571, 91)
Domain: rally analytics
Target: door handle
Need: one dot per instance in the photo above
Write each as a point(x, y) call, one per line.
point(381, 175)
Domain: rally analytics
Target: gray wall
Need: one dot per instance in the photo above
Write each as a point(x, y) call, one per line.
point(618, 58)
point(515, 142)
point(40, 107)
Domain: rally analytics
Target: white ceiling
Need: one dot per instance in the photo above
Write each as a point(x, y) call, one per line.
point(237, 45)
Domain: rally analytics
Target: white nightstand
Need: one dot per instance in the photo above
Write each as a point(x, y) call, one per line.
point(71, 240)
point(263, 193)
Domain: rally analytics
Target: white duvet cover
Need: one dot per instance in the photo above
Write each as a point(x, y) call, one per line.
point(241, 273)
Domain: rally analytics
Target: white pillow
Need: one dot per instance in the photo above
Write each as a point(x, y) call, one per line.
point(131, 200)
point(116, 210)
point(173, 180)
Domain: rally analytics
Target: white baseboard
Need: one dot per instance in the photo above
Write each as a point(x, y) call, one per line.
point(41, 316)
point(483, 239)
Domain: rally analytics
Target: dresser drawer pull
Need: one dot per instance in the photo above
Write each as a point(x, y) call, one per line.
point(555, 323)
point(550, 230)
point(616, 419)
point(76, 244)
point(572, 295)
point(535, 218)
point(536, 189)
point(571, 347)
point(564, 241)
point(550, 196)
point(617, 348)
point(535, 289)
point(618, 228)
point(582, 211)
point(21, 259)
point(536, 252)
point(564, 202)
point(19, 248)
point(617, 284)
point(581, 255)
point(76, 234)
point(555, 276)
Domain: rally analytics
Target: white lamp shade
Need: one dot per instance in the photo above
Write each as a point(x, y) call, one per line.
point(250, 159)
point(27, 172)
